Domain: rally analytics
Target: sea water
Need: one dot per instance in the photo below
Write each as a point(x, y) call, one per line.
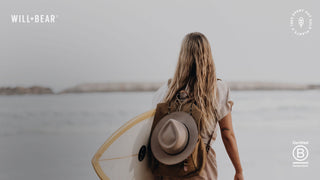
point(55, 136)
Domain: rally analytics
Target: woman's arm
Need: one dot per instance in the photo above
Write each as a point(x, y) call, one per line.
point(229, 141)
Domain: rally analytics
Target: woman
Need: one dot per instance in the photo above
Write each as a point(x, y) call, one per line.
point(196, 73)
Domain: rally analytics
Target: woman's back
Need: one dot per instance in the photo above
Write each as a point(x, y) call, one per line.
point(196, 73)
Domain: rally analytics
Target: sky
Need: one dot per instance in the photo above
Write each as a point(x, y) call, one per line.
point(139, 41)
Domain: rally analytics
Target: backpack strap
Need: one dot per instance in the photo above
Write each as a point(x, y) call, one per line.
point(215, 126)
point(209, 141)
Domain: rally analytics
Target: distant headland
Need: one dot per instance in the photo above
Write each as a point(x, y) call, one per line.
point(25, 90)
point(235, 86)
point(152, 86)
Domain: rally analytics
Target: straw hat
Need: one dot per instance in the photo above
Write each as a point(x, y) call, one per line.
point(174, 138)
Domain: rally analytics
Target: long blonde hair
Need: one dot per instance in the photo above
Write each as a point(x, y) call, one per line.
point(196, 70)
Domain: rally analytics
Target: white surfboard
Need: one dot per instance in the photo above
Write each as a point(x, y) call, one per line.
point(123, 155)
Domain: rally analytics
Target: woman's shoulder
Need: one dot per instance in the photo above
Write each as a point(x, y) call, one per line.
point(222, 85)
point(222, 88)
point(224, 101)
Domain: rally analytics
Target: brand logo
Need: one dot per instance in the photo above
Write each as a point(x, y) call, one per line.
point(300, 154)
point(37, 18)
point(301, 22)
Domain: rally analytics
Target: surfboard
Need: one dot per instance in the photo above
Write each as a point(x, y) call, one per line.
point(123, 155)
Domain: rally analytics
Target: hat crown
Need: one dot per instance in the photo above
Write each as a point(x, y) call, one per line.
point(173, 137)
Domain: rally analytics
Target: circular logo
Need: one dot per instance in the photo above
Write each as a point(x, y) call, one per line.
point(300, 153)
point(301, 22)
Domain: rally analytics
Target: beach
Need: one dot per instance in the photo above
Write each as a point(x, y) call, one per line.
point(54, 137)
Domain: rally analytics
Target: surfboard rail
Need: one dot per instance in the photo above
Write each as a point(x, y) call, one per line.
point(114, 137)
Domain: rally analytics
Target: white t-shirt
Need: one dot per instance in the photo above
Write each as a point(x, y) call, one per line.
point(224, 105)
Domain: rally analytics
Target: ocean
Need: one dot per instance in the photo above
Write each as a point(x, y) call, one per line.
point(54, 137)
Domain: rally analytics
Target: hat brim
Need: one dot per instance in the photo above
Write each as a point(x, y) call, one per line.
point(191, 125)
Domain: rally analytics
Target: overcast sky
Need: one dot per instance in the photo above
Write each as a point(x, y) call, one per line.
point(111, 41)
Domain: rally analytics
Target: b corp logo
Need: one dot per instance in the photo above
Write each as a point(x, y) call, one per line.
point(300, 153)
